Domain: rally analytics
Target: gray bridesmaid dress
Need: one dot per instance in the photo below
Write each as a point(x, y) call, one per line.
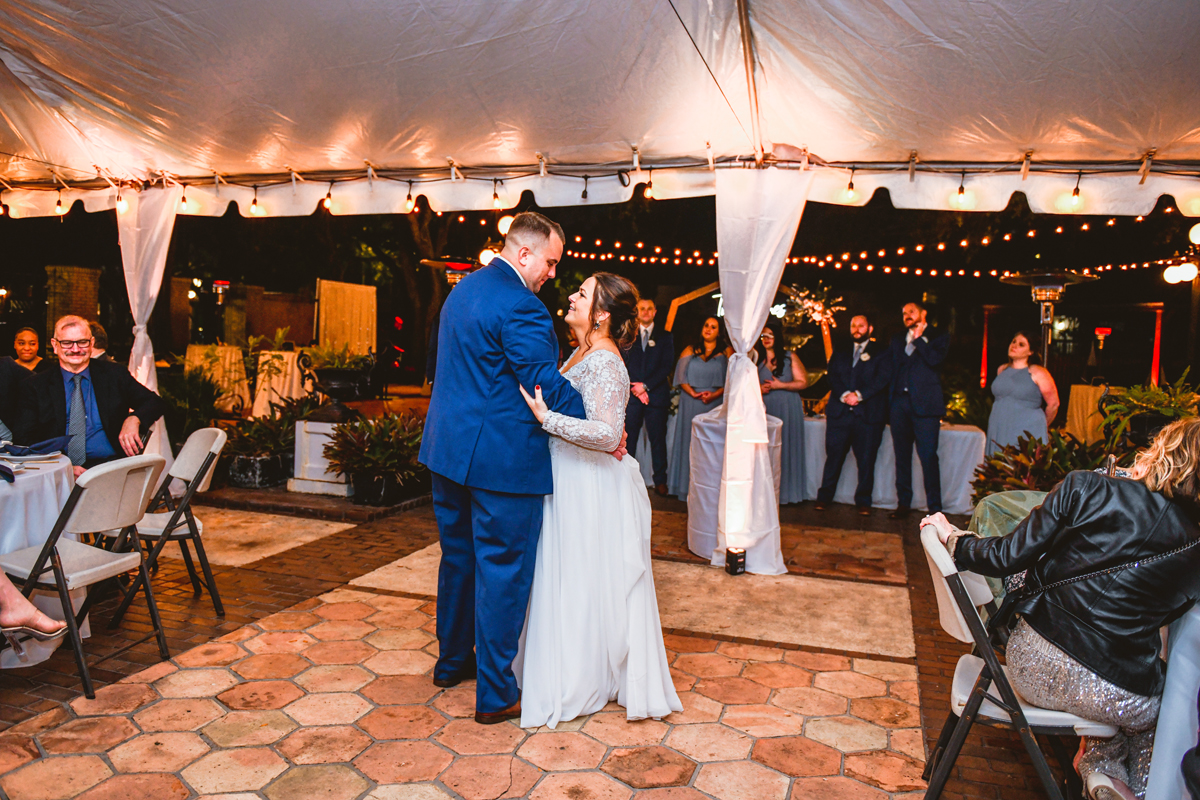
point(1017, 410)
point(703, 376)
point(788, 406)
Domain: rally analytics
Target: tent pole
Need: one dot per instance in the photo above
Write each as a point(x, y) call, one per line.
point(743, 7)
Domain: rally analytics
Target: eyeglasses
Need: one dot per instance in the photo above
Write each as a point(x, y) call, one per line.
point(766, 336)
point(77, 344)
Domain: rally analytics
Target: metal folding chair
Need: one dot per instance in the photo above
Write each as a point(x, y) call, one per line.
point(979, 676)
point(194, 467)
point(111, 496)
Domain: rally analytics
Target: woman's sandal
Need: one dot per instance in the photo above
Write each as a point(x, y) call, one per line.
point(15, 634)
point(1104, 787)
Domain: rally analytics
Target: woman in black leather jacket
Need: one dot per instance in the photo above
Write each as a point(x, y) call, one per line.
point(1092, 647)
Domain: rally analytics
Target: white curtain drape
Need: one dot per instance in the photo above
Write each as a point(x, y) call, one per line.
point(758, 212)
point(145, 232)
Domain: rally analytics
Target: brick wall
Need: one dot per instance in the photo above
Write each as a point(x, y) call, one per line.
point(71, 290)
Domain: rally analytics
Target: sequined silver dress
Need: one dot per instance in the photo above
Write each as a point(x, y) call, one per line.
point(592, 633)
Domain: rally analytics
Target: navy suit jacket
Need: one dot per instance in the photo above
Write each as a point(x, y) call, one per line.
point(493, 334)
point(654, 366)
point(921, 373)
point(42, 404)
point(870, 378)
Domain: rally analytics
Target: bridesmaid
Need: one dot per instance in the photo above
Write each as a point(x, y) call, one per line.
point(700, 375)
point(783, 376)
point(1026, 397)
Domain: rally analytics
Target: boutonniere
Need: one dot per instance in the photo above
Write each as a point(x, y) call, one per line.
point(652, 343)
point(865, 356)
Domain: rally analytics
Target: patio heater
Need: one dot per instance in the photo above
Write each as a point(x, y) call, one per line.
point(456, 267)
point(1047, 289)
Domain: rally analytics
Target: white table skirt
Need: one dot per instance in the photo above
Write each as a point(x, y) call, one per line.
point(707, 455)
point(29, 508)
point(287, 384)
point(1177, 721)
point(229, 372)
point(960, 451)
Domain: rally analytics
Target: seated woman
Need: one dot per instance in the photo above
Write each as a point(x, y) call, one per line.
point(1092, 647)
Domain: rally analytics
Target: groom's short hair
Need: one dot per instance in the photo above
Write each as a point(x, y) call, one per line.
point(530, 225)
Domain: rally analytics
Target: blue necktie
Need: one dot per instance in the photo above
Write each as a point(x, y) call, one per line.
point(77, 424)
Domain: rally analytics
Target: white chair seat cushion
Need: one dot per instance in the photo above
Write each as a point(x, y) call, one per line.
point(967, 672)
point(83, 564)
point(151, 525)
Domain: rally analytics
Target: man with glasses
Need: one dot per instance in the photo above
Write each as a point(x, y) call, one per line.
point(97, 403)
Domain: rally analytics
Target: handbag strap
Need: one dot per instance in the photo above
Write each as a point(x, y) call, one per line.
point(1112, 570)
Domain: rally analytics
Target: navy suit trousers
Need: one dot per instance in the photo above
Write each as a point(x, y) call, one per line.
point(907, 429)
point(655, 419)
point(489, 545)
point(850, 431)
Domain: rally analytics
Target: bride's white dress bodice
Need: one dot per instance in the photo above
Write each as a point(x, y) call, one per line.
point(602, 380)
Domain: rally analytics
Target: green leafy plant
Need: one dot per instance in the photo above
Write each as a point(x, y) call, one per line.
point(270, 366)
point(1035, 465)
point(1173, 401)
point(271, 435)
point(386, 446)
point(191, 397)
point(330, 357)
point(275, 343)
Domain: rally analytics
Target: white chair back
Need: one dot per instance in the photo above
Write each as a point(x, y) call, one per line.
point(195, 450)
point(115, 495)
point(941, 566)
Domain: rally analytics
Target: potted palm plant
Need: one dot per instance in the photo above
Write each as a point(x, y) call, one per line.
point(1142, 411)
point(379, 456)
point(262, 451)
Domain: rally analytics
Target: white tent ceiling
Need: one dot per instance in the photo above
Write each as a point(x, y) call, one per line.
point(252, 91)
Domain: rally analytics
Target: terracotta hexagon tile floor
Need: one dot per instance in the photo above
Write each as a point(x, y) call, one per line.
point(282, 711)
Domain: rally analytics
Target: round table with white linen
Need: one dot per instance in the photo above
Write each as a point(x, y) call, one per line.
point(278, 379)
point(224, 364)
point(29, 507)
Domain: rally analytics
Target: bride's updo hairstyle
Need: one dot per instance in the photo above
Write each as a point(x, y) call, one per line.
point(619, 298)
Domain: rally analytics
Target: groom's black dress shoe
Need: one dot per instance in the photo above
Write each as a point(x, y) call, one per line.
point(900, 513)
point(455, 679)
point(512, 712)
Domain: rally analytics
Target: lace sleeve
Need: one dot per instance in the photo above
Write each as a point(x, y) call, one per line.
point(605, 389)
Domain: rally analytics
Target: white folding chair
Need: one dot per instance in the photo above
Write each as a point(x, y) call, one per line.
point(979, 675)
point(111, 496)
point(194, 467)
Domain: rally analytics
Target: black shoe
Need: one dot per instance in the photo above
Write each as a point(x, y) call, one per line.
point(820, 505)
point(455, 679)
point(864, 511)
point(900, 513)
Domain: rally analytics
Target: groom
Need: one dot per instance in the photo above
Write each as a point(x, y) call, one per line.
point(491, 460)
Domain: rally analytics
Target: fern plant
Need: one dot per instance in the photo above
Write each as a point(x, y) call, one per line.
point(386, 446)
point(1173, 401)
point(1036, 465)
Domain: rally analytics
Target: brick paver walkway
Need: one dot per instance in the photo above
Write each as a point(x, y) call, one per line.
point(771, 718)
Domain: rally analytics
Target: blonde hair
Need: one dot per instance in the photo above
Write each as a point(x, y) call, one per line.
point(1171, 463)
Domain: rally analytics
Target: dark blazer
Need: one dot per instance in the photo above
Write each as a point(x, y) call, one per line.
point(493, 334)
point(12, 375)
point(654, 366)
point(870, 378)
point(43, 404)
point(1109, 623)
point(921, 373)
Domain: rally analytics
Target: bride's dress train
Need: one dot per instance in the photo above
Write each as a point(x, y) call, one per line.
point(592, 632)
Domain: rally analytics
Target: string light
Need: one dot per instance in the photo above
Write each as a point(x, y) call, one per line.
point(122, 203)
point(409, 203)
point(183, 204)
point(1075, 198)
point(495, 194)
point(961, 189)
point(850, 186)
point(328, 201)
point(585, 183)
point(254, 202)
point(649, 192)
point(58, 206)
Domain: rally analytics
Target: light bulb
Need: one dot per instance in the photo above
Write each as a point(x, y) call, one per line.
point(183, 203)
point(1194, 234)
point(409, 204)
point(504, 224)
point(328, 201)
point(122, 204)
point(649, 192)
point(486, 255)
point(1187, 272)
point(58, 207)
point(1171, 274)
point(495, 200)
point(850, 193)
point(1075, 198)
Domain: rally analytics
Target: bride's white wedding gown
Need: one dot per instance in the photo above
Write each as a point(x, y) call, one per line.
point(592, 632)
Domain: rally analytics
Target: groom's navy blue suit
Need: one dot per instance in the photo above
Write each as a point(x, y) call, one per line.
point(490, 461)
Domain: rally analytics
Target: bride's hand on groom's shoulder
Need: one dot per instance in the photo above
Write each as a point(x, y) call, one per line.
point(536, 404)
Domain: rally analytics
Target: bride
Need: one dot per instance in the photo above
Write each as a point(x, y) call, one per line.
point(592, 632)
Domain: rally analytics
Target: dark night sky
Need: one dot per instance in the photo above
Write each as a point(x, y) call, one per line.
point(284, 254)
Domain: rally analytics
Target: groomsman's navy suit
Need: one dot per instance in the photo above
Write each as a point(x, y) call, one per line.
point(490, 461)
point(860, 426)
point(918, 406)
point(651, 365)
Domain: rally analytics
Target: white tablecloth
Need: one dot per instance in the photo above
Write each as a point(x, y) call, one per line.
point(229, 372)
point(28, 509)
point(960, 451)
point(707, 455)
point(287, 384)
point(1177, 721)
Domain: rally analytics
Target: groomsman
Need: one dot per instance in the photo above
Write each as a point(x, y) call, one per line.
point(918, 405)
point(859, 372)
point(649, 362)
